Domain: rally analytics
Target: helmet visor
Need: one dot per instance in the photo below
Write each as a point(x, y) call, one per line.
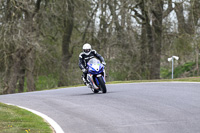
point(86, 50)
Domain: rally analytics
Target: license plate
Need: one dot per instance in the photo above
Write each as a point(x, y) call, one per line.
point(99, 75)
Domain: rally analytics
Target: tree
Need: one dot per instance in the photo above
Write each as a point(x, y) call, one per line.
point(151, 15)
point(68, 22)
point(18, 33)
point(187, 25)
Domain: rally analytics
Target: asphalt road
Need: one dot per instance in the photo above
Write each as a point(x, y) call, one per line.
point(126, 108)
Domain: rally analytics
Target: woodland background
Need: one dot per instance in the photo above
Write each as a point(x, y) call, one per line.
point(40, 40)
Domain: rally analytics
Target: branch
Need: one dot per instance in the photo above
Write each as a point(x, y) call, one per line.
point(89, 21)
point(136, 18)
point(19, 6)
point(138, 15)
point(37, 7)
point(169, 9)
point(136, 12)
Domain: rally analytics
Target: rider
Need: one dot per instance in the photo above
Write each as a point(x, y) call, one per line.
point(84, 57)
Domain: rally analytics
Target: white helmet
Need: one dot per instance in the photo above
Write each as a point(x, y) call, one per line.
point(87, 48)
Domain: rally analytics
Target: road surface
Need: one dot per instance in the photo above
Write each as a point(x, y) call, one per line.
point(126, 108)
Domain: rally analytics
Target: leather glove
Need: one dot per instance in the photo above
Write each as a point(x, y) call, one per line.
point(84, 70)
point(104, 63)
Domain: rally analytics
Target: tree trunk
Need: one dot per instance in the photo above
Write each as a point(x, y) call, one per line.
point(143, 45)
point(14, 73)
point(31, 53)
point(143, 54)
point(157, 12)
point(150, 42)
point(21, 79)
point(197, 60)
point(30, 64)
point(181, 20)
point(66, 54)
point(112, 6)
point(154, 37)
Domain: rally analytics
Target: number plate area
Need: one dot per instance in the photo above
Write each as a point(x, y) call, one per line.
point(99, 75)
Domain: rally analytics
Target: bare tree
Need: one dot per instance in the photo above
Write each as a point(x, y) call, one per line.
point(19, 42)
point(152, 20)
point(187, 25)
point(68, 22)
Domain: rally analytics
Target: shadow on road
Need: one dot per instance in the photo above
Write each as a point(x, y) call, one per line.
point(92, 94)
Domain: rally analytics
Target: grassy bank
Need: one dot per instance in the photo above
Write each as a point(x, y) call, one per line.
point(191, 79)
point(17, 120)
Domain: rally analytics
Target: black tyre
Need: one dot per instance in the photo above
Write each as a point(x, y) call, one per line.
point(102, 85)
point(94, 90)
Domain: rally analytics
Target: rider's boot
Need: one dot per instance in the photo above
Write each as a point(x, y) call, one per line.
point(86, 82)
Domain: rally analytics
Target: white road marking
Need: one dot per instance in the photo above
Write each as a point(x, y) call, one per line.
point(55, 126)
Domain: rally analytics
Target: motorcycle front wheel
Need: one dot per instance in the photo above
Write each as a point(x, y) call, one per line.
point(102, 85)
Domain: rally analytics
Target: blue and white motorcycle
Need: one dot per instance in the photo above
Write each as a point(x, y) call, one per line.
point(96, 76)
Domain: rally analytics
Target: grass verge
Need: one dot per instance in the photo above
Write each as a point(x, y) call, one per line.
point(17, 120)
point(191, 79)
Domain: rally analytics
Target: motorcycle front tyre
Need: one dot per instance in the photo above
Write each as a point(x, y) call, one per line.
point(102, 85)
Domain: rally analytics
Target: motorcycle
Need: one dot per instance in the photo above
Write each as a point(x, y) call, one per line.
point(96, 76)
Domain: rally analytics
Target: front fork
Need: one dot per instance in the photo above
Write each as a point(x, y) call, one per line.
point(90, 79)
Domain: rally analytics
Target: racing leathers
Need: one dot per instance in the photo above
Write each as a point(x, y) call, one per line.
point(83, 60)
